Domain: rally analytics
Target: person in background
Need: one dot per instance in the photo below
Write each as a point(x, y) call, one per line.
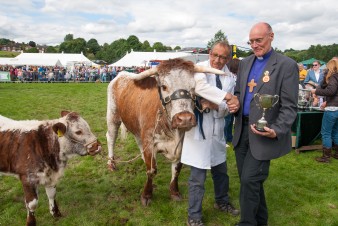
point(302, 74)
point(329, 130)
point(229, 119)
point(264, 72)
point(315, 76)
point(204, 146)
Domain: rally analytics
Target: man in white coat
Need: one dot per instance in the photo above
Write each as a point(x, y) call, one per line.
point(204, 146)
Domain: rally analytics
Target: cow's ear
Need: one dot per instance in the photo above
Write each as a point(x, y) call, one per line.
point(64, 113)
point(59, 128)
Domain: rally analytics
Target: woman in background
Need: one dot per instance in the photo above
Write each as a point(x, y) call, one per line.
point(329, 130)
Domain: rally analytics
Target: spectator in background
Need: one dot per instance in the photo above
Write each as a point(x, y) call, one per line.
point(302, 74)
point(329, 130)
point(315, 76)
point(229, 119)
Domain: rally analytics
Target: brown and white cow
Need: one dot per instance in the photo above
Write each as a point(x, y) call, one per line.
point(37, 152)
point(157, 110)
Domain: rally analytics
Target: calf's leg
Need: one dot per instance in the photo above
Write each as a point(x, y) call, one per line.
point(53, 207)
point(31, 201)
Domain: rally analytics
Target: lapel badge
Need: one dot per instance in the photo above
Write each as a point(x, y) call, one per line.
point(266, 77)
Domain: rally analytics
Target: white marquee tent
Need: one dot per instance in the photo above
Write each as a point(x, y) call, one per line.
point(64, 58)
point(144, 58)
point(28, 61)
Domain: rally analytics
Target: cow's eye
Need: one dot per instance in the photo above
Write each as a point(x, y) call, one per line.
point(78, 132)
point(164, 88)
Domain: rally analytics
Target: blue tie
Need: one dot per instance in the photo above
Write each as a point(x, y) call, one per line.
point(218, 82)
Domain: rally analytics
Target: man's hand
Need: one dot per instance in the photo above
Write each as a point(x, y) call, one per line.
point(232, 102)
point(269, 132)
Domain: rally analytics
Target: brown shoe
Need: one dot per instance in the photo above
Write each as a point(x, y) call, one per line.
point(227, 207)
point(325, 158)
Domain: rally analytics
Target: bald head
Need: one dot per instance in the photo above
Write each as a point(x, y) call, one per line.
point(260, 38)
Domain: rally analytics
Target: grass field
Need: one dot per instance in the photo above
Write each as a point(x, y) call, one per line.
point(299, 190)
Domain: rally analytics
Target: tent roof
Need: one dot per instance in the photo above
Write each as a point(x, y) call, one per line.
point(311, 60)
point(28, 61)
point(143, 58)
point(64, 58)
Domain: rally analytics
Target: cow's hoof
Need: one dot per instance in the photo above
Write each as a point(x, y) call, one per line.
point(111, 165)
point(145, 201)
point(57, 215)
point(176, 197)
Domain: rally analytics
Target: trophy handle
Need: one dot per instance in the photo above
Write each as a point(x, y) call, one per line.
point(276, 99)
point(256, 95)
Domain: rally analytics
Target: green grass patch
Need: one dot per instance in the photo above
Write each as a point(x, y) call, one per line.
point(9, 54)
point(299, 190)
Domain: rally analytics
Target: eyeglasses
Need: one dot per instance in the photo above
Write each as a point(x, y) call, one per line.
point(215, 55)
point(258, 40)
point(315, 65)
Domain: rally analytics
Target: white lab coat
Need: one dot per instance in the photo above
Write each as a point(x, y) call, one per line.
point(210, 152)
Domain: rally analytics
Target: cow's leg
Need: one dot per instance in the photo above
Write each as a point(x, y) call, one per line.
point(112, 133)
point(150, 161)
point(31, 201)
point(53, 207)
point(175, 172)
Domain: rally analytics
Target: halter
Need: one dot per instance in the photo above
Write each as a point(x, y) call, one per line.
point(178, 94)
point(79, 142)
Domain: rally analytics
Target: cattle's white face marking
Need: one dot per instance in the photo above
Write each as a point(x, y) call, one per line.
point(175, 80)
point(78, 135)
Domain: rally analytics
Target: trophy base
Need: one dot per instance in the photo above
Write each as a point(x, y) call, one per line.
point(260, 129)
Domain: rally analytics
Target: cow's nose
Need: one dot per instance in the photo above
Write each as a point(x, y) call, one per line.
point(184, 120)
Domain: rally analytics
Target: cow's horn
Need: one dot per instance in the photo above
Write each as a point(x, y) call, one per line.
point(203, 69)
point(144, 74)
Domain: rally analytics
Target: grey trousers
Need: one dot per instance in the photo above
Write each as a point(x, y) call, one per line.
point(196, 188)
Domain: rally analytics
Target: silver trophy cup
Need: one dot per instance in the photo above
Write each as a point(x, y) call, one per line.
point(264, 101)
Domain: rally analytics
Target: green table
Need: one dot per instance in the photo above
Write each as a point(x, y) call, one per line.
point(307, 128)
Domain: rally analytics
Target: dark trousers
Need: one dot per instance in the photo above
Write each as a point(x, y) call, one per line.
point(252, 173)
point(196, 188)
point(229, 121)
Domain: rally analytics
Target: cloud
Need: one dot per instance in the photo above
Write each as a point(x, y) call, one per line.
point(190, 23)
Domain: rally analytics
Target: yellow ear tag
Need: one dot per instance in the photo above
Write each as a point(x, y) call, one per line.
point(60, 134)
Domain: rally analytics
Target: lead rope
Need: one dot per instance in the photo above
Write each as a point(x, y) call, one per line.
point(139, 155)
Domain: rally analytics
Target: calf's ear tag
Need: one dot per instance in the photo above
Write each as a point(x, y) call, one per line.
point(60, 134)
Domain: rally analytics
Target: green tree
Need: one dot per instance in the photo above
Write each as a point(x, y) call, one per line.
point(74, 46)
point(93, 46)
point(134, 43)
point(32, 50)
point(68, 37)
point(177, 48)
point(219, 36)
point(113, 52)
point(159, 47)
point(32, 44)
point(4, 41)
point(146, 47)
point(51, 49)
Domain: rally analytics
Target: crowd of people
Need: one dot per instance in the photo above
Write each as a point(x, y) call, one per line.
point(76, 72)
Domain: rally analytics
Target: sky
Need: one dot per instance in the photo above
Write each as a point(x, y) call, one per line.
point(297, 24)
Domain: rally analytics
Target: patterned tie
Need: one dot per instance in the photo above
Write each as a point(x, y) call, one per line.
point(218, 82)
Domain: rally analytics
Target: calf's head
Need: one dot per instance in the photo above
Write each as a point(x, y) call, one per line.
point(78, 138)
